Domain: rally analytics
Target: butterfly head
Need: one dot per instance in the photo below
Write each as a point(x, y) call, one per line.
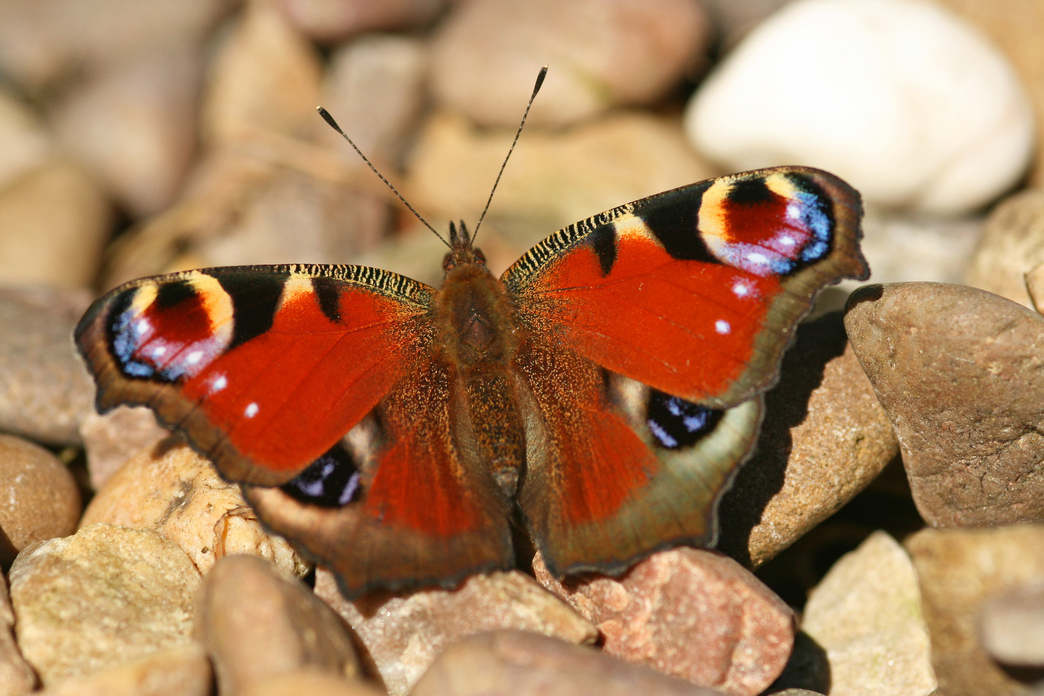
point(461, 250)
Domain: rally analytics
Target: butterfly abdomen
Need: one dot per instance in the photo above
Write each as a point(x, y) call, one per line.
point(479, 340)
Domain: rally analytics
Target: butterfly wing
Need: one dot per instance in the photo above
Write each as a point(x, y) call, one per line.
point(661, 322)
point(265, 369)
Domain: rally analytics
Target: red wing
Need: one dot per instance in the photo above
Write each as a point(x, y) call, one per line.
point(611, 475)
point(262, 368)
point(695, 291)
point(405, 507)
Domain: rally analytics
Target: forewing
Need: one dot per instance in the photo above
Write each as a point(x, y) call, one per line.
point(262, 368)
point(695, 291)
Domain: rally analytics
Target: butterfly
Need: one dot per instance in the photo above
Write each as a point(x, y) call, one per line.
point(601, 393)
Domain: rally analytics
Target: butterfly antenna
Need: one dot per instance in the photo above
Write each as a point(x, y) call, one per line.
point(333, 124)
point(536, 88)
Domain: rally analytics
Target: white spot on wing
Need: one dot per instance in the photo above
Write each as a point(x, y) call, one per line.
point(194, 357)
point(218, 383)
point(722, 327)
point(158, 351)
point(251, 410)
point(740, 289)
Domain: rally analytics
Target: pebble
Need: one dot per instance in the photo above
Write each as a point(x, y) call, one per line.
point(529, 664)
point(689, 613)
point(47, 42)
point(1035, 286)
point(312, 682)
point(40, 499)
point(174, 491)
point(264, 76)
point(1014, 31)
point(23, 140)
point(16, 676)
point(901, 247)
point(866, 613)
point(56, 220)
point(45, 393)
point(100, 598)
point(1011, 246)
point(959, 372)
point(111, 440)
point(1011, 625)
point(600, 53)
point(375, 87)
point(554, 178)
point(824, 439)
point(867, 89)
point(958, 569)
point(182, 670)
point(403, 634)
point(134, 126)
point(256, 624)
point(333, 21)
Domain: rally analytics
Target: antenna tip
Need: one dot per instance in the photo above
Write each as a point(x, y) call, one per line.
point(540, 80)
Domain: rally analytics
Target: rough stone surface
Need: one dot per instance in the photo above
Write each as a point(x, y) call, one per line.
point(16, 676)
point(959, 372)
point(1011, 246)
point(601, 53)
point(176, 492)
point(1011, 625)
point(689, 613)
point(517, 663)
point(111, 440)
point(182, 670)
point(257, 624)
point(825, 437)
point(100, 598)
point(866, 613)
point(403, 634)
point(880, 82)
point(958, 569)
point(45, 392)
point(40, 499)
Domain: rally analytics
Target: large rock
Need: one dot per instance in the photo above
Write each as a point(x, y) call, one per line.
point(868, 90)
point(961, 374)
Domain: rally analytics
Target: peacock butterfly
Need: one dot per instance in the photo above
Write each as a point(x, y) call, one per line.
point(603, 391)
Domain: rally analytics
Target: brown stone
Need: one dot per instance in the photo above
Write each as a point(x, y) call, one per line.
point(23, 140)
point(601, 53)
point(332, 21)
point(403, 634)
point(825, 437)
point(517, 663)
point(959, 372)
point(16, 676)
point(257, 623)
point(111, 440)
point(100, 598)
point(182, 670)
point(555, 177)
point(173, 490)
point(41, 500)
point(261, 77)
point(689, 613)
point(312, 682)
point(1011, 245)
point(56, 220)
point(958, 569)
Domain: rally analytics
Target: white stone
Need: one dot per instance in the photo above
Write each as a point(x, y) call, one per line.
point(902, 99)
